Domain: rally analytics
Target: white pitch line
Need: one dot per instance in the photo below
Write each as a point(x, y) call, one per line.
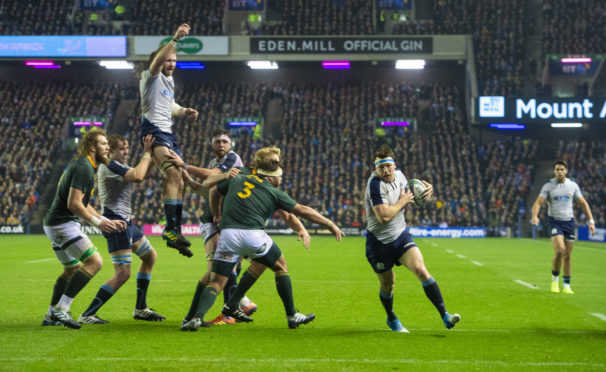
point(434, 244)
point(598, 315)
point(347, 361)
point(531, 286)
point(461, 256)
point(449, 251)
point(42, 260)
point(477, 263)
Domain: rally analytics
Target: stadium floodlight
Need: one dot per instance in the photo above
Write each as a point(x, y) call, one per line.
point(410, 64)
point(116, 64)
point(507, 126)
point(39, 63)
point(42, 64)
point(566, 125)
point(336, 65)
point(576, 60)
point(191, 66)
point(262, 65)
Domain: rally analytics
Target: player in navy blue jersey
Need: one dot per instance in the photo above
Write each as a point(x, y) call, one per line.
point(158, 107)
point(115, 191)
point(388, 241)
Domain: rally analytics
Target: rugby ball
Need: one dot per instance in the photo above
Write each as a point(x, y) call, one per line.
point(417, 188)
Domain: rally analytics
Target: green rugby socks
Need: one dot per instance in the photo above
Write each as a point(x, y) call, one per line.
point(284, 287)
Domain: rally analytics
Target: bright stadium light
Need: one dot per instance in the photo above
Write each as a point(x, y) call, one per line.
point(410, 64)
point(566, 125)
point(262, 65)
point(116, 65)
point(336, 65)
point(576, 60)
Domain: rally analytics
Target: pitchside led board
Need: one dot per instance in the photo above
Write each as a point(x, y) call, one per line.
point(540, 111)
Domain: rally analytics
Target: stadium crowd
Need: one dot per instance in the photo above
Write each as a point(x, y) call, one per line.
point(574, 27)
point(497, 28)
point(32, 122)
point(587, 166)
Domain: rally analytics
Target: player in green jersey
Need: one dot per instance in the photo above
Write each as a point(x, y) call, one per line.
point(73, 248)
point(248, 201)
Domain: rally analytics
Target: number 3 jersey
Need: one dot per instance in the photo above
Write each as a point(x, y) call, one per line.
point(249, 201)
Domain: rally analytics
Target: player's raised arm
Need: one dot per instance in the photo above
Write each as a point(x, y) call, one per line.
point(168, 49)
point(138, 173)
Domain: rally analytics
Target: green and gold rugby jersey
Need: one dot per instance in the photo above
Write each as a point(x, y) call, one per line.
point(80, 174)
point(249, 200)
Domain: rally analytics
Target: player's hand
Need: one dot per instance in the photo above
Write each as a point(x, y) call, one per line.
point(217, 220)
point(334, 229)
point(406, 196)
point(592, 229)
point(148, 141)
point(534, 221)
point(182, 31)
point(191, 114)
point(233, 172)
point(172, 157)
point(428, 193)
point(303, 234)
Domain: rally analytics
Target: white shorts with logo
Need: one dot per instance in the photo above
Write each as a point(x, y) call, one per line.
point(68, 241)
point(235, 243)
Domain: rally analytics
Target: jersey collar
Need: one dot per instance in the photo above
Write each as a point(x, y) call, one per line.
point(91, 161)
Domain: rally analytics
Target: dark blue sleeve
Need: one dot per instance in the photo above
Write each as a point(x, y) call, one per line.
point(117, 168)
point(375, 191)
point(229, 162)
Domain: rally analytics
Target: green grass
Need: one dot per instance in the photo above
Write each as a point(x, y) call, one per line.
point(505, 326)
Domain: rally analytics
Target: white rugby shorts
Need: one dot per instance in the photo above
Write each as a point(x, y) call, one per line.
point(68, 241)
point(235, 243)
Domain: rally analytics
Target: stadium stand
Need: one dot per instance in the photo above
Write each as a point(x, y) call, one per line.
point(574, 27)
point(498, 38)
point(587, 166)
point(320, 17)
point(36, 112)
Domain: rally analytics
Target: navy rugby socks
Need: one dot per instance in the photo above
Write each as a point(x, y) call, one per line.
point(432, 291)
point(387, 302)
point(143, 280)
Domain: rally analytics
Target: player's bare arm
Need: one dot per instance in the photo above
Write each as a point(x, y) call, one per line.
point(138, 173)
point(585, 206)
point(199, 172)
point(89, 214)
point(294, 223)
point(214, 202)
point(213, 179)
point(386, 212)
point(536, 207)
point(313, 216)
point(168, 49)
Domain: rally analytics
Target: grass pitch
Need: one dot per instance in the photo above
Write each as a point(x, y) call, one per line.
point(510, 320)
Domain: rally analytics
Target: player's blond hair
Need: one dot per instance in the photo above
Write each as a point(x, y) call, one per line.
point(262, 154)
point(89, 141)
